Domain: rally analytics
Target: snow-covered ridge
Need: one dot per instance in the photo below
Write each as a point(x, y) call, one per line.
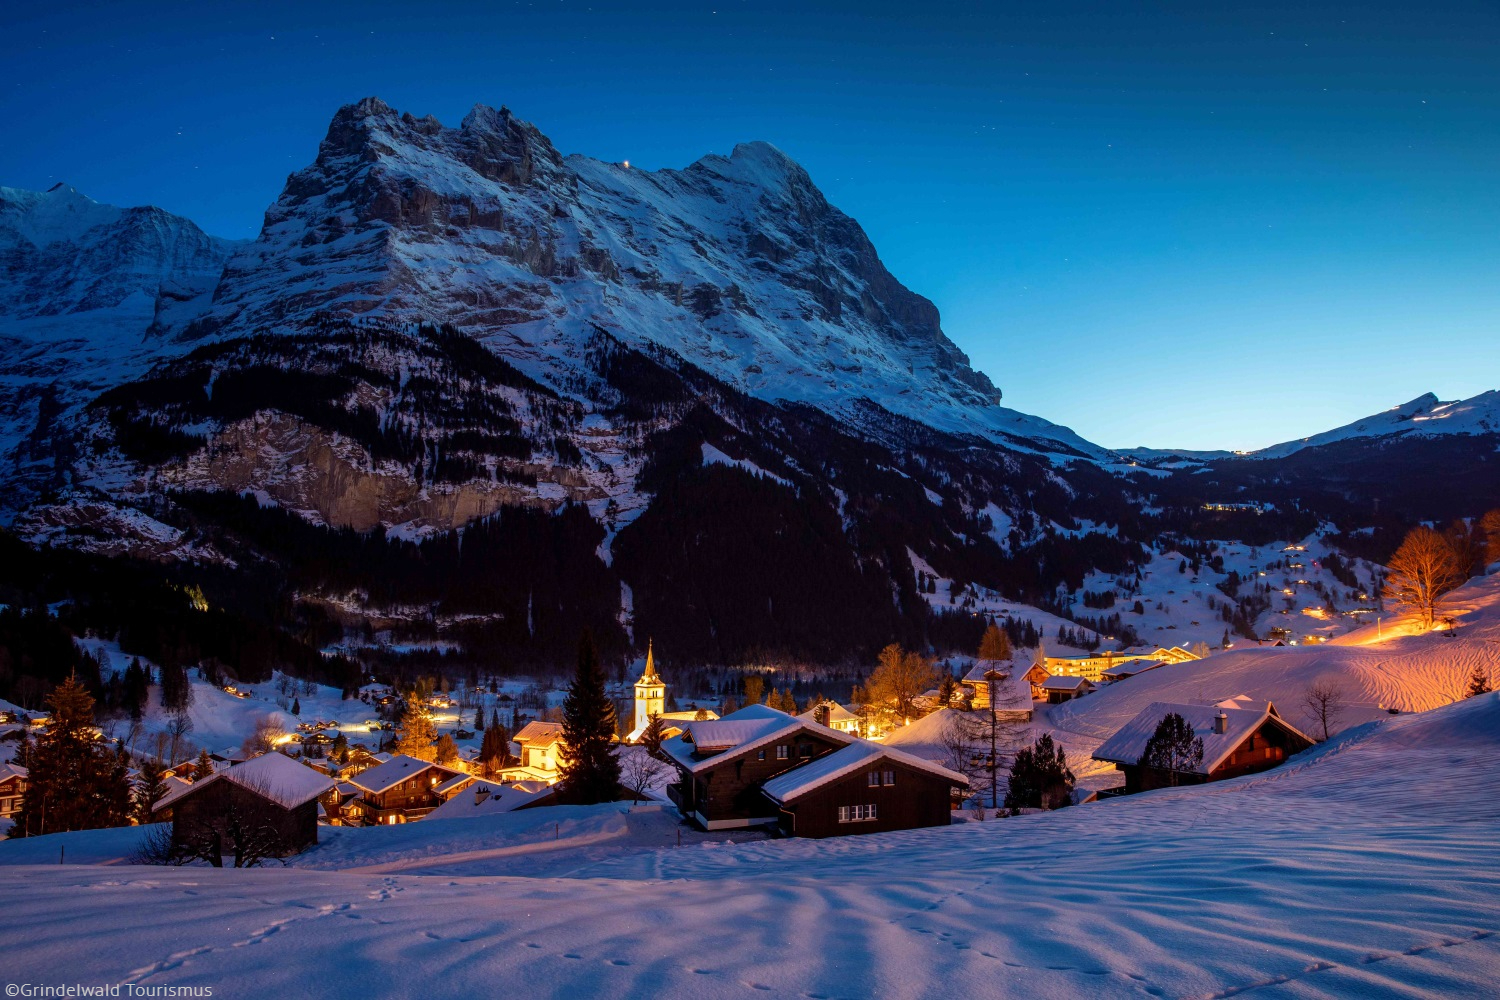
point(1425, 416)
point(736, 263)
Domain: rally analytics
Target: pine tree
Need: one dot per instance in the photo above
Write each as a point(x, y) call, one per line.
point(1479, 682)
point(1173, 748)
point(479, 719)
point(590, 770)
point(76, 781)
point(204, 766)
point(494, 750)
point(340, 750)
point(652, 736)
point(416, 733)
point(296, 706)
point(1040, 777)
point(149, 790)
point(445, 751)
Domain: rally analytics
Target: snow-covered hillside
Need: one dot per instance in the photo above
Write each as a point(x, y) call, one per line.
point(1366, 867)
point(1425, 416)
point(1375, 669)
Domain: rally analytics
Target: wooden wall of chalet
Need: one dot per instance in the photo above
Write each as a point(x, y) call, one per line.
point(209, 807)
point(731, 789)
point(413, 794)
point(918, 798)
point(1262, 750)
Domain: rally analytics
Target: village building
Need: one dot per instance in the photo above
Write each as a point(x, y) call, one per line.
point(1060, 689)
point(402, 790)
point(173, 787)
point(999, 684)
point(1129, 668)
point(12, 789)
point(835, 716)
point(863, 788)
point(1239, 737)
point(723, 763)
point(1094, 666)
point(273, 794)
point(540, 751)
point(651, 702)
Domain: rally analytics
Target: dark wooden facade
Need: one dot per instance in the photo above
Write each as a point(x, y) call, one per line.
point(1266, 747)
point(410, 799)
point(218, 804)
point(727, 792)
point(917, 798)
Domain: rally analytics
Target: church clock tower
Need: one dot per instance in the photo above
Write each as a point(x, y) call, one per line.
point(650, 694)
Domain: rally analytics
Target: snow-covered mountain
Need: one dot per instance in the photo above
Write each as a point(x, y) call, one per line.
point(1425, 416)
point(90, 297)
point(736, 264)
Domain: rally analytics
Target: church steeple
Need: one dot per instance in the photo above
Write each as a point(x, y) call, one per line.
point(649, 677)
point(650, 693)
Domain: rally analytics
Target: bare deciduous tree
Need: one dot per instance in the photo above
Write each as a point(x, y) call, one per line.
point(1325, 704)
point(1423, 569)
point(640, 770)
point(980, 744)
point(264, 737)
point(898, 679)
point(1489, 531)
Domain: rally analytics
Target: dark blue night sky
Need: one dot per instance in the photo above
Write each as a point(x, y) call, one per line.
point(1186, 224)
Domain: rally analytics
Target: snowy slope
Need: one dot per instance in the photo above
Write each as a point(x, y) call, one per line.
point(1375, 668)
point(1424, 416)
point(736, 263)
point(1370, 867)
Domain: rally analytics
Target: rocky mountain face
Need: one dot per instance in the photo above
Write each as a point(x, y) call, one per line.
point(90, 297)
point(465, 390)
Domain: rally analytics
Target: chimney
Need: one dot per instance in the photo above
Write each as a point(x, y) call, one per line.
point(823, 714)
point(481, 792)
point(1221, 723)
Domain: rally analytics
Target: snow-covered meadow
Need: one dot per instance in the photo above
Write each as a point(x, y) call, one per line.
point(1369, 866)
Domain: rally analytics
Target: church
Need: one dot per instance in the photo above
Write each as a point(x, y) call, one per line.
point(651, 700)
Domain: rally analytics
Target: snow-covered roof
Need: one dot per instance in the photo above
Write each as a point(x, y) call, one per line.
point(845, 761)
point(394, 771)
point(485, 798)
point(9, 770)
point(836, 713)
point(1132, 667)
point(1062, 682)
point(539, 734)
point(1128, 744)
point(751, 727)
point(455, 782)
point(273, 775)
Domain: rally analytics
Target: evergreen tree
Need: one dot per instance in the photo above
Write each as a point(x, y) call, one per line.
point(494, 718)
point(296, 706)
point(652, 736)
point(1173, 748)
point(1479, 682)
point(204, 766)
point(590, 771)
point(1040, 777)
point(755, 689)
point(479, 719)
point(416, 733)
point(341, 748)
point(76, 782)
point(494, 750)
point(149, 790)
point(445, 751)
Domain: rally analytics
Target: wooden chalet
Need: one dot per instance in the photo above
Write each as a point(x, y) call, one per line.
point(402, 790)
point(863, 788)
point(271, 793)
point(723, 763)
point(1239, 737)
point(540, 751)
point(835, 716)
point(12, 788)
